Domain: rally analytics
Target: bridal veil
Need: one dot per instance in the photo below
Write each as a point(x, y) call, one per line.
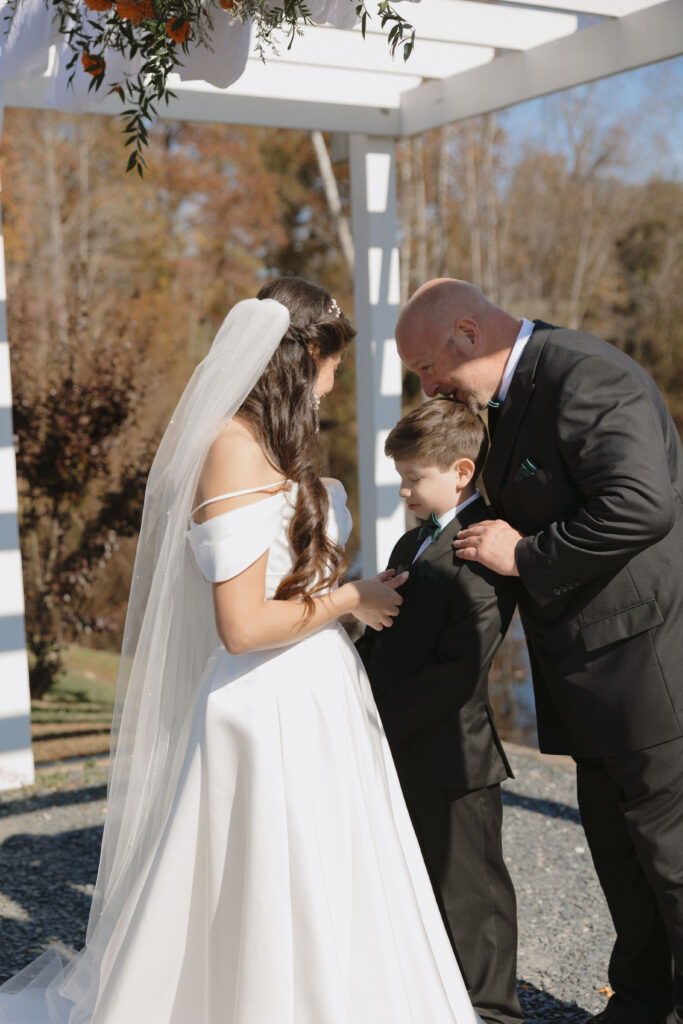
point(168, 638)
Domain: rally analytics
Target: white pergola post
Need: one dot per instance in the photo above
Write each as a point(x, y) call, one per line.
point(378, 368)
point(16, 758)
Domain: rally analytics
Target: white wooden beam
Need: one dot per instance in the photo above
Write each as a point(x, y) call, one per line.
point(197, 101)
point(333, 48)
point(487, 24)
point(16, 758)
point(602, 8)
point(378, 368)
point(598, 51)
point(302, 82)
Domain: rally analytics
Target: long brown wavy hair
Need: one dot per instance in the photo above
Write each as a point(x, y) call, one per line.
point(281, 411)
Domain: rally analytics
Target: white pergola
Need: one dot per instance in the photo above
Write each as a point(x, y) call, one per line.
point(472, 57)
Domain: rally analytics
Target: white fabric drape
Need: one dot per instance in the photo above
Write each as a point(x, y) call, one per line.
point(33, 45)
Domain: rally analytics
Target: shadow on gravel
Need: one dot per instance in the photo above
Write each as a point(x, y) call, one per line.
point(24, 805)
point(49, 880)
point(540, 1007)
point(548, 807)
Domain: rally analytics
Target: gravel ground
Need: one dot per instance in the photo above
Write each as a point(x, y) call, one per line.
point(49, 847)
point(565, 931)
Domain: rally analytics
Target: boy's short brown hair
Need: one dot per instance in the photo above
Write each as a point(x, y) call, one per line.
point(439, 433)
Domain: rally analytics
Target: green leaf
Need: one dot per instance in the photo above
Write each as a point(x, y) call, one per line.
point(141, 92)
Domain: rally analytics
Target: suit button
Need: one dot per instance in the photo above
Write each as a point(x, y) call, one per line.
point(379, 644)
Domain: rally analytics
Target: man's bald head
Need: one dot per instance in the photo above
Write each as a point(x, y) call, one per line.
point(456, 340)
point(440, 301)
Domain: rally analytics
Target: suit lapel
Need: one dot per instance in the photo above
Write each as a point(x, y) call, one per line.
point(514, 407)
point(440, 545)
point(405, 552)
point(443, 545)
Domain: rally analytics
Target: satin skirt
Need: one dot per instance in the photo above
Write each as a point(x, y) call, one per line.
point(287, 886)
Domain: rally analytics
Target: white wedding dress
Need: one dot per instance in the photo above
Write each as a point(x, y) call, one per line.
point(288, 885)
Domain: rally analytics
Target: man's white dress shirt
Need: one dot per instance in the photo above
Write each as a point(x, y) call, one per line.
point(525, 333)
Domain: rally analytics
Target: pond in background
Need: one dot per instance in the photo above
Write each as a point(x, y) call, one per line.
point(511, 690)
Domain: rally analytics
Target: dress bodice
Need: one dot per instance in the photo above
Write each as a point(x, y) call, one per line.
point(227, 543)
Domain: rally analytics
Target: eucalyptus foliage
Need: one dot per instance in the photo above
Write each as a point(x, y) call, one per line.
point(153, 35)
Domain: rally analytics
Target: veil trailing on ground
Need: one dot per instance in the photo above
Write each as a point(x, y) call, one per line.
point(168, 638)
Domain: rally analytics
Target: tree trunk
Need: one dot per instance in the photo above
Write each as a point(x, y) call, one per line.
point(441, 232)
point(491, 201)
point(341, 222)
point(582, 257)
point(83, 289)
point(406, 214)
point(57, 276)
point(471, 204)
point(421, 271)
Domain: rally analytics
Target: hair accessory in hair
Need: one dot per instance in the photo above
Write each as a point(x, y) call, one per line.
point(334, 308)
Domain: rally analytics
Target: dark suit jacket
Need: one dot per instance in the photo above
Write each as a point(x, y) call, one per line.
point(599, 502)
point(429, 670)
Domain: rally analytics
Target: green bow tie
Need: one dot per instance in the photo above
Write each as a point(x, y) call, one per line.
point(429, 528)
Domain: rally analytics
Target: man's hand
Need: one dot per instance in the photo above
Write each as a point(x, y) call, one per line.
point(492, 543)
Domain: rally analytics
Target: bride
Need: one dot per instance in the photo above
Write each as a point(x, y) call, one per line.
point(258, 865)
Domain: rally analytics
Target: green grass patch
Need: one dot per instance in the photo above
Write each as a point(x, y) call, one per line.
point(84, 691)
point(94, 666)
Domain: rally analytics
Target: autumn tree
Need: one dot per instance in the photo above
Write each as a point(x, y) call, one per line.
point(551, 228)
point(116, 288)
point(646, 307)
point(83, 331)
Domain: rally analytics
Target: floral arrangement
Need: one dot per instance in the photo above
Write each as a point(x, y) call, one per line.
point(152, 35)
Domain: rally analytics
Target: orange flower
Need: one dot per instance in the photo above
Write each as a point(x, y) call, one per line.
point(135, 10)
point(228, 5)
point(178, 29)
point(98, 5)
point(93, 65)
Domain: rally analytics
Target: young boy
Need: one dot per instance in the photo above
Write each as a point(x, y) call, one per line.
point(429, 675)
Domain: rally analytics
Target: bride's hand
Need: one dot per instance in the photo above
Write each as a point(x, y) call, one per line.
point(378, 601)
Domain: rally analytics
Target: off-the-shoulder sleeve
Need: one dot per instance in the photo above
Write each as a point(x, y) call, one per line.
point(341, 522)
point(226, 544)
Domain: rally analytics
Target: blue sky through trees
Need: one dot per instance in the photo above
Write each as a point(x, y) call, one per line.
point(647, 103)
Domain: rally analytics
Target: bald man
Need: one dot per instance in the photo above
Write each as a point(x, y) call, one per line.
point(585, 473)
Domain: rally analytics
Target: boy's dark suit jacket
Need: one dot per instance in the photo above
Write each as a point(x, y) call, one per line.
point(429, 670)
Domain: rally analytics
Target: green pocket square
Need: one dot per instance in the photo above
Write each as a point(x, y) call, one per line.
point(527, 469)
